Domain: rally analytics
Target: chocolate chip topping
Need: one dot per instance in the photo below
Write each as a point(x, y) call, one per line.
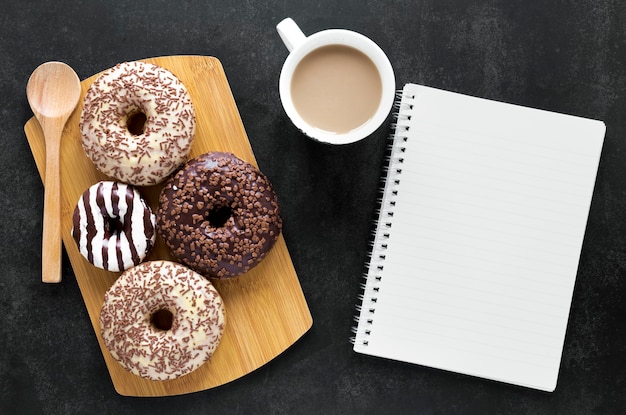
point(219, 215)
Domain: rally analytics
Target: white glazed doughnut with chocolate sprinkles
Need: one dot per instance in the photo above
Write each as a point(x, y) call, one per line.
point(160, 320)
point(219, 215)
point(137, 123)
point(114, 228)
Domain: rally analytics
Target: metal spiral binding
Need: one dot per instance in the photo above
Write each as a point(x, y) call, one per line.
point(390, 181)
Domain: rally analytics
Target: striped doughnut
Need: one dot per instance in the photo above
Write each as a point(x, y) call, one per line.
point(114, 228)
point(160, 320)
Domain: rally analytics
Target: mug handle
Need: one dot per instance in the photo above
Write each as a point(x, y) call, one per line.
point(290, 33)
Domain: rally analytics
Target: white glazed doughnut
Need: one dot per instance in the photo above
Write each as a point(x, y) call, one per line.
point(160, 320)
point(137, 123)
point(114, 228)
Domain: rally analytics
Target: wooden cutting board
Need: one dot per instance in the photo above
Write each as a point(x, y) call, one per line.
point(266, 309)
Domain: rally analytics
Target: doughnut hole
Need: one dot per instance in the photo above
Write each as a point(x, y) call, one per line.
point(112, 226)
point(162, 319)
point(219, 215)
point(136, 122)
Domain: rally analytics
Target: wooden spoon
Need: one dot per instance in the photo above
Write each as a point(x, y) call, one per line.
point(53, 92)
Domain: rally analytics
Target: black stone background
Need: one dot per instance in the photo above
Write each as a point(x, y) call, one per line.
point(561, 55)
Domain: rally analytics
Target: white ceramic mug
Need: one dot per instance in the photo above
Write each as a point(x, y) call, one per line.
point(300, 46)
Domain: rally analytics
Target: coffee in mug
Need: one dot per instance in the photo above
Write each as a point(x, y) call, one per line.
point(337, 86)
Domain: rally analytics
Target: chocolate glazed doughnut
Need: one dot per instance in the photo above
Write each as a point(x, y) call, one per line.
point(219, 215)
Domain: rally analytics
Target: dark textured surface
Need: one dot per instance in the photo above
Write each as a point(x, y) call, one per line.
point(566, 56)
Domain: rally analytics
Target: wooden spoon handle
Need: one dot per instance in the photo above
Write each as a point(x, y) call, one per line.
point(51, 253)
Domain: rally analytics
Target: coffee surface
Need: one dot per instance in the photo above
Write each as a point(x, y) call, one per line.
point(336, 88)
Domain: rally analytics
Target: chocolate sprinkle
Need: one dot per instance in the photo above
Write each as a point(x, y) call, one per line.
point(218, 182)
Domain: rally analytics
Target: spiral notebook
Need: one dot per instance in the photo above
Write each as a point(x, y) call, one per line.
point(481, 223)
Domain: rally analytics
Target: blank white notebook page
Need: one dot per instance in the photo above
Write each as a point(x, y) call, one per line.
point(477, 246)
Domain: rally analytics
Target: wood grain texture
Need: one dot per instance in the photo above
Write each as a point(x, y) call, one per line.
point(266, 309)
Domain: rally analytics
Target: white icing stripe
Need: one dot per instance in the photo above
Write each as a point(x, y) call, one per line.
point(123, 245)
point(138, 232)
point(82, 243)
point(98, 221)
point(112, 251)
